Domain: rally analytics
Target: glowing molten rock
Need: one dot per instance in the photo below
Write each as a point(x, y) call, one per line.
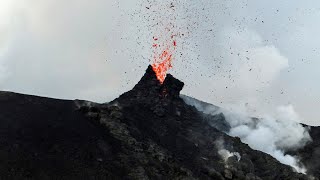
point(161, 68)
point(162, 62)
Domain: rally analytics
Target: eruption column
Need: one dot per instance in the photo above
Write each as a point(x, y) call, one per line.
point(162, 60)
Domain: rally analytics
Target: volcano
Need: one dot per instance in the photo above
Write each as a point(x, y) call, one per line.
point(148, 132)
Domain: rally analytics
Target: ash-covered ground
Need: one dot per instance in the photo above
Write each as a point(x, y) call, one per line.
point(146, 133)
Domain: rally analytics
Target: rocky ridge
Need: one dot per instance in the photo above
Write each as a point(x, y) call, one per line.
point(146, 133)
point(161, 137)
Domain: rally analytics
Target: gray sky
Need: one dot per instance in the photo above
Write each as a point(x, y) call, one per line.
point(250, 54)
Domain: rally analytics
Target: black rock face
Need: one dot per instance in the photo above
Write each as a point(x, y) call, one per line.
point(310, 154)
point(42, 138)
point(167, 139)
point(150, 88)
point(172, 87)
point(146, 133)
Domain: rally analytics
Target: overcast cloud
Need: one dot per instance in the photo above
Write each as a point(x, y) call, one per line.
point(257, 54)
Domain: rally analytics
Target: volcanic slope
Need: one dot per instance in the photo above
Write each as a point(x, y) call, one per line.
point(310, 154)
point(164, 138)
point(146, 133)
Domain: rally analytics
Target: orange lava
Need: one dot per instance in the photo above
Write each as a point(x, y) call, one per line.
point(161, 68)
point(163, 60)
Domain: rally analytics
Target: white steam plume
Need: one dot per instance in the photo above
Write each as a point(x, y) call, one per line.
point(271, 134)
point(246, 68)
point(223, 152)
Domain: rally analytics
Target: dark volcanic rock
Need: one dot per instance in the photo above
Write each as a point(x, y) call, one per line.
point(146, 133)
point(310, 154)
point(165, 138)
point(150, 89)
point(211, 113)
point(43, 138)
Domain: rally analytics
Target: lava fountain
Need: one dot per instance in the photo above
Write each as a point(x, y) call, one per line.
point(162, 59)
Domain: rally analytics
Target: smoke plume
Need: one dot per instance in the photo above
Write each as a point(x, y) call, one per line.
point(274, 135)
point(271, 134)
point(223, 152)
